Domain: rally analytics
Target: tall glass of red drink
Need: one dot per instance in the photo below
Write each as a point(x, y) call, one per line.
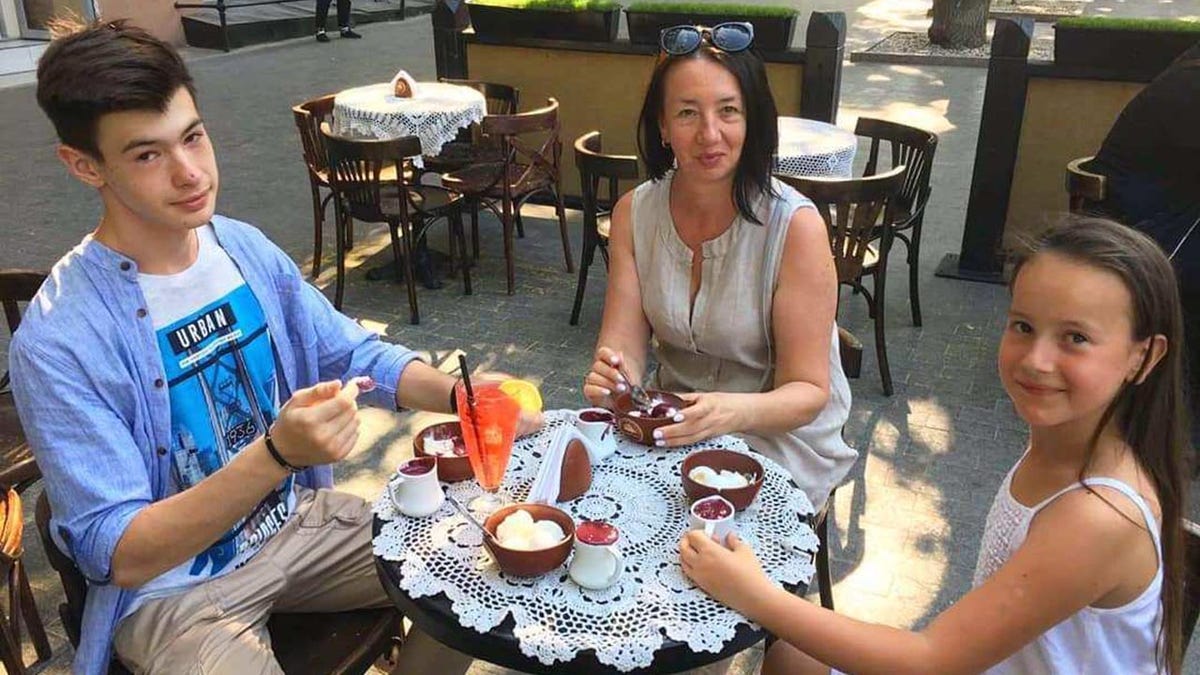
point(489, 427)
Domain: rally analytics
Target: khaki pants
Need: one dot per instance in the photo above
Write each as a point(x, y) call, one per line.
point(321, 561)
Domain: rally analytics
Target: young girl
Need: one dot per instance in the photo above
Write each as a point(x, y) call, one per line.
point(1080, 567)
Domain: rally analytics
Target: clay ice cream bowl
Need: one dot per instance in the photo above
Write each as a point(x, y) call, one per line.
point(519, 563)
point(450, 469)
point(639, 428)
point(720, 459)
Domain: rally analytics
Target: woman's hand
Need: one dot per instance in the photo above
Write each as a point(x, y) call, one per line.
point(708, 415)
point(732, 576)
point(529, 422)
point(604, 379)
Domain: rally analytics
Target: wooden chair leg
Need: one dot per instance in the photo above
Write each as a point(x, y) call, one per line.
point(562, 228)
point(350, 235)
point(509, 263)
point(459, 237)
point(10, 627)
point(33, 621)
point(585, 263)
point(877, 301)
point(405, 248)
point(520, 222)
point(914, 277)
point(475, 229)
point(340, 286)
point(824, 577)
point(318, 227)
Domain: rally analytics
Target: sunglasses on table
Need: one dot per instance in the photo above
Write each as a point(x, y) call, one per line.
point(733, 36)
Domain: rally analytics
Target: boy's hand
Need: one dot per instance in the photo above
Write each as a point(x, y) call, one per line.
point(732, 576)
point(317, 426)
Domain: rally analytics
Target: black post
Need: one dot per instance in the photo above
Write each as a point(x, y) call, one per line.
point(981, 258)
point(450, 19)
point(224, 24)
point(824, 45)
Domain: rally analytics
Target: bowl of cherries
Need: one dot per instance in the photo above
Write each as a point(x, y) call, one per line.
point(638, 421)
point(445, 442)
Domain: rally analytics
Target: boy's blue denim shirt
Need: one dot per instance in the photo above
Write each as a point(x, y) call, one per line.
point(88, 382)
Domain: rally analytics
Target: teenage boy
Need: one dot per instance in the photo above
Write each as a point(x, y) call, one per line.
point(180, 385)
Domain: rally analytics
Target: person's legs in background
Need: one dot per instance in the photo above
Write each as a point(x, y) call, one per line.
point(343, 16)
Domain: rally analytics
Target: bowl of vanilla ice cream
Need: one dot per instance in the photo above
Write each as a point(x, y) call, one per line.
point(735, 476)
point(529, 540)
point(445, 442)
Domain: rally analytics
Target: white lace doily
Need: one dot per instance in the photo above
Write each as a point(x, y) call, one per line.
point(811, 148)
point(434, 114)
point(639, 490)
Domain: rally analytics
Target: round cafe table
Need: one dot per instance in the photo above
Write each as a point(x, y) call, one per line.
point(652, 621)
point(816, 149)
point(434, 113)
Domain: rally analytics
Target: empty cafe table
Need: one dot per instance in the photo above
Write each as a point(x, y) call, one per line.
point(435, 113)
point(817, 149)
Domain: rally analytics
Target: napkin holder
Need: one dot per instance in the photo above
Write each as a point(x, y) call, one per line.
point(403, 86)
point(566, 470)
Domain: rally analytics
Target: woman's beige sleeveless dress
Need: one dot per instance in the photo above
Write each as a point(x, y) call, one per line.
point(727, 342)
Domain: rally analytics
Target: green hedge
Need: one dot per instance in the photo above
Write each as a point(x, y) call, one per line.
point(1115, 23)
point(705, 8)
point(555, 5)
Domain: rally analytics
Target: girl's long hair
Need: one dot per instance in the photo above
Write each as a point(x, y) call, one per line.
point(1150, 416)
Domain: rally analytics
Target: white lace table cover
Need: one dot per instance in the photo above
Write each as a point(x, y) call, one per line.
point(811, 148)
point(639, 490)
point(434, 114)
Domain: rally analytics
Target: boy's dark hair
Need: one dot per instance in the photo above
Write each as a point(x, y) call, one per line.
point(752, 178)
point(91, 70)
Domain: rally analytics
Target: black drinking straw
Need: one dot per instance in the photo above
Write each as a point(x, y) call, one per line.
point(466, 378)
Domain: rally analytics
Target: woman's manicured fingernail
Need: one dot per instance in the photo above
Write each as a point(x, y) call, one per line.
point(660, 443)
point(614, 360)
point(658, 433)
point(606, 392)
point(621, 388)
point(678, 417)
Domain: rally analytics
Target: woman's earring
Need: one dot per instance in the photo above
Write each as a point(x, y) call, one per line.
point(666, 143)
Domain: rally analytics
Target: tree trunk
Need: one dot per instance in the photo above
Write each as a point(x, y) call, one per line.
point(959, 24)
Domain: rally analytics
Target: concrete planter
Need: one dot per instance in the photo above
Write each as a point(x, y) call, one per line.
point(502, 23)
point(1140, 50)
point(771, 33)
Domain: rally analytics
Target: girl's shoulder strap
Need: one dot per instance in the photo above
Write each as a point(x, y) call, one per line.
point(1120, 486)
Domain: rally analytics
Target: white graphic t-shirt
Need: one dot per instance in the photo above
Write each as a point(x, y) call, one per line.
point(220, 368)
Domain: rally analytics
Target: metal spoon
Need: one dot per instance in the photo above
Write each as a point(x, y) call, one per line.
point(470, 518)
point(639, 395)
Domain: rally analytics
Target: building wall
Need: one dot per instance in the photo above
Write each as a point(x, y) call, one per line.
point(595, 90)
point(157, 16)
point(1064, 119)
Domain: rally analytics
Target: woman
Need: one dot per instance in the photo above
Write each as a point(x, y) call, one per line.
point(729, 270)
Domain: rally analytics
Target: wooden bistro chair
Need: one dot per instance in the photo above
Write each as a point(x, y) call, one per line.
point(309, 116)
point(851, 350)
point(595, 166)
point(1085, 189)
point(852, 209)
point(18, 471)
point(337, 643)
point(473, 147)
point(358, 173)
point(914, 148)
point(531, 165)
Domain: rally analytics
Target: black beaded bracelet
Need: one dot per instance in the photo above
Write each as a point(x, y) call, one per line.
point(278, 457)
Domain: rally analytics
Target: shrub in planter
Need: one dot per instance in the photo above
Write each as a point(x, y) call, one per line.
point(1125, 44)
point(587, 20)
point(774, 25)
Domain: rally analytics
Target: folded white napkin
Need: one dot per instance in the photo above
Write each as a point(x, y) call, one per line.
point(403, 75)
point(546, 485)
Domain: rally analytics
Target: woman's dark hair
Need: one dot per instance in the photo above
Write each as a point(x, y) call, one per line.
point(91, 70)
point(1150, 416)
point(752, 178)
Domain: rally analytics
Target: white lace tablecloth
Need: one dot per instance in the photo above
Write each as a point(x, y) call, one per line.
point(811, 148)
point(434, 114)
point(639, 490)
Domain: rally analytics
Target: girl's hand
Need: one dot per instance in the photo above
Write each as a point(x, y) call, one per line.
point(709, 415)
point(604, 379)
point(732, 576)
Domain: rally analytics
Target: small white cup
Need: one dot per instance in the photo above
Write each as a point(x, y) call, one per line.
point(597, 564)
point(414, 487)
point(600, 437)
point(717, 528)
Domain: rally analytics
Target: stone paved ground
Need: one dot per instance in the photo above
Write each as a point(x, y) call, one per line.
point(908, 522)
